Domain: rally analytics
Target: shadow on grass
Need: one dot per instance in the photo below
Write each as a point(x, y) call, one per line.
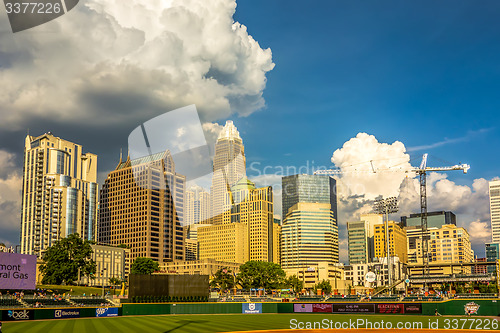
point(182, 323)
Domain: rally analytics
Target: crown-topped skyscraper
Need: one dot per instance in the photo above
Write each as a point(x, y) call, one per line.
point(229, 168)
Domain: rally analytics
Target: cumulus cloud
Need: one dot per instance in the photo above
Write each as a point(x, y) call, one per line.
point(371, 169)
point(10, 199)
point(115, 63)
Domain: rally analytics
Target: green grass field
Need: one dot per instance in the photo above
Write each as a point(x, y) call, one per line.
point(207, 323)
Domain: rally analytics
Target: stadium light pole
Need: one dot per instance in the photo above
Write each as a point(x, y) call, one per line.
point(386, 207)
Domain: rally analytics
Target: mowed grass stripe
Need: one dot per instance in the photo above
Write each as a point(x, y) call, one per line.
point(198, 323)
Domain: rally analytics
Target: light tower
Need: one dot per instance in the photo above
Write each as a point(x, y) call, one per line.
point(386, 207)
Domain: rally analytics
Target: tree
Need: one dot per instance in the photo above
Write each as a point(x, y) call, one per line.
point(144, 265)
point(62, 261)
point(223, 279)
point(324, 285)
point(261, 274)
point(114, 281)
point(294, 283)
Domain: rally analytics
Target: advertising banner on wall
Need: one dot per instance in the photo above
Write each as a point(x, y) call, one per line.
point(13, 315)
point(413, 308)
point(66, 313)
point(324, 307)
point(251, 308)
point(353, 308)
point(302, 307)
point(390, 308)
point(106, 312)
point(17, 271)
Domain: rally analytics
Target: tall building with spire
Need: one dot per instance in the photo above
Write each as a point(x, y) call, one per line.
point(141, 206)
point(59, 192)
point(229, 168)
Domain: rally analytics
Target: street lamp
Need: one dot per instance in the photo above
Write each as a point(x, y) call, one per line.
point(387, 206)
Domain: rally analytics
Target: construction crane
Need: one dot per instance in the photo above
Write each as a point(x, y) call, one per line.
point(422, 173)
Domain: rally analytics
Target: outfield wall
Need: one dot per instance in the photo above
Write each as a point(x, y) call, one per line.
point(481, 307)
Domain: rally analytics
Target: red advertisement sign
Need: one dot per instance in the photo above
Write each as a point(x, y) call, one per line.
point(327, 308)
point(390, 308)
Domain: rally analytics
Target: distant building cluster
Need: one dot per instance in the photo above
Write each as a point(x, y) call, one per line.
point(146, 209)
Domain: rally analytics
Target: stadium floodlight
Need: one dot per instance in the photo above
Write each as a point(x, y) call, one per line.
point(387, 206)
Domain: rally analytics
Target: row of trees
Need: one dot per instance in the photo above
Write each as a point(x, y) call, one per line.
point(260, 274)
point(71, 257)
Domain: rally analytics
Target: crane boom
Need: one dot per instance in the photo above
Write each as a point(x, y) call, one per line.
point(422, 173)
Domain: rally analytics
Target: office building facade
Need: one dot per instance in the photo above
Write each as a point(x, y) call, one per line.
point(196, 206)
point(494, 191)
point(450, 244)
point(141, 206)
point(251, 233)
point(309, 235)
point(397, 241)
point(434, 219)
point(59, 194)
point(492, 255)
point(309, 189)
point(111, 262)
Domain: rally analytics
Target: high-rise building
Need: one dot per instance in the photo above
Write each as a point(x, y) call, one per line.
point(397, 241)
point(59, 192)
point(361, 238)
point(252, 219)
point(142, 206)
point(357, 235)
point(309, 236)
point(495, 210)
point(492, 255)
point(229, 168)
point(434, 219)
point(309, 188)
point(196, 206)
point(414, 243)
point(450, 244)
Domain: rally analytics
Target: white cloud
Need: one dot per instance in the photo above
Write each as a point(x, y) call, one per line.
point(359, 185)
point(119, 63)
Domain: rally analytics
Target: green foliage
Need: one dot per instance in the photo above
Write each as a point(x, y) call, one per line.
point(294, 283)
point(114, 281)
point(324, 285)
point(143, 265)
point(223, 279)
point(62, 261)
point(261, 274)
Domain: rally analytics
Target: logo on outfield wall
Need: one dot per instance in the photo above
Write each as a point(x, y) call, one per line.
point(251, 307)
point(471, 308)
point(11, 315)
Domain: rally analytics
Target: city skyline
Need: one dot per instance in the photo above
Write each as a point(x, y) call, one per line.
point(316, 75)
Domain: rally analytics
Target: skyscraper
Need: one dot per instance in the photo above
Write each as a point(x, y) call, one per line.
point(197, 206)
point(397, 241)
point(59, 192)
point(309, 235)
point(309, 188)
point(361, 238)
point(358, 242)
point(229, 168)
point(142, 206)
point(495, 210)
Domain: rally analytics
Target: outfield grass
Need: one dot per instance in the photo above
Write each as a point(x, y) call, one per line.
point(200, 323)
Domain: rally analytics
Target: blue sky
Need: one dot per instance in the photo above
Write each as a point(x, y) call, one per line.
point(420, 72)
